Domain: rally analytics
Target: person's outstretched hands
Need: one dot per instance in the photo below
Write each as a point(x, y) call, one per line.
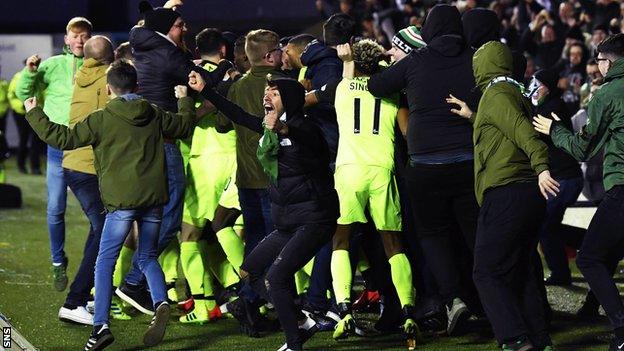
point(464, 111)
point(196, 81)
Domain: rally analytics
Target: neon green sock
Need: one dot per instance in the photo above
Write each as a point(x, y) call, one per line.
point(341, 275)
point(232, 245)
point(207, 276)
point(169, 261)
point(308, 267)
point(122, 266)
point(402, 278)
point(220, 266)
point(302, 281)
point(192, 266)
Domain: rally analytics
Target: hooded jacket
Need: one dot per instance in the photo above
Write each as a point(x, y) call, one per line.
point(428, 76)
point(127, 139)
point(322, 67)
point(89, 95)
point(304, 191)
point(507, 149)
point(55, 75)
point(603, 129)
point(161, 65)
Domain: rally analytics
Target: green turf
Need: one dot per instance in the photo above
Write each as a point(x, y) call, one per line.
point(28, 300)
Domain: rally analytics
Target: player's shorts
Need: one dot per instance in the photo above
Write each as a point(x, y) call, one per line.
point(210, 181)
point(359, 186)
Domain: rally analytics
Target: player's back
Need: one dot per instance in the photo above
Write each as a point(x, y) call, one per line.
point(365, 124)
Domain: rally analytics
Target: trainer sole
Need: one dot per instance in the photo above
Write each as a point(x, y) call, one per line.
point(74, 320)
point(133, 303)
point(156, 331)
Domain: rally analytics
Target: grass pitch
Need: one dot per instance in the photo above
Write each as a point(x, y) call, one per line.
point(31, 304)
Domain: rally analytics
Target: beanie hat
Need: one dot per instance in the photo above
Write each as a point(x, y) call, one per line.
point(408, 39)
point(158, 19)
point(548, 77)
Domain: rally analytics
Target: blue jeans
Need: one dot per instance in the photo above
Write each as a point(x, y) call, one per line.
point(57, 201)
point(256, 209)
point(116, 228)
point(553, 233)
point(172, 212)
point(85, 188)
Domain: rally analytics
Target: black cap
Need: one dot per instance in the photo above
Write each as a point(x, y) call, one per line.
point(158, 19)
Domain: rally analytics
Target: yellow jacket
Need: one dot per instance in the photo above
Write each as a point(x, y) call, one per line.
point(89, 95)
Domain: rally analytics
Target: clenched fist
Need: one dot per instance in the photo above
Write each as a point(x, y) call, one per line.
point(33, 62)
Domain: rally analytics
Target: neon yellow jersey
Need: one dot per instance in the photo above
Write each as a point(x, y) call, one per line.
point(206, 139)
point(365, 125)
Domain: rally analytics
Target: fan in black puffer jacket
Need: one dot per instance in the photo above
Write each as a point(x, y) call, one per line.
point(304, 207)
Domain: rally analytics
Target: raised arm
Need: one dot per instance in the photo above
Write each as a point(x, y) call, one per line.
point(31, 78)
point(60, 136)
point(178, 125)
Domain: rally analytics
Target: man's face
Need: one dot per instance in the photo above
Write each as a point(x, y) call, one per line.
point(177, 32)
point(396, 53)
point(273, 100)
point(75, 39)
point(576, 55)
point(292, 55)
point(274, 57)
point(548, 34)
point(598, 36)
point(593, 72)
point(566, 10)
point(604, 64)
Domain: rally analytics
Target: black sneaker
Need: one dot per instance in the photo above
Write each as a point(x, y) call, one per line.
point(99, 339)
point(590, 310)
point(558, 281)
point(522, 344)
point(156, 330)
point(136, 296)
point(616, 344)
point(457, 314)
point(240, 309)
point(306, 331)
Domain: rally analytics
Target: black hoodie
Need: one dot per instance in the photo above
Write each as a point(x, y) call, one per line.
point(428, 76)
point(161, 65)
point(304, 192)
point(562, 165)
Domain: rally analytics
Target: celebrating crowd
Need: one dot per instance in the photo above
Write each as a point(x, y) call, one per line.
point(426, 149)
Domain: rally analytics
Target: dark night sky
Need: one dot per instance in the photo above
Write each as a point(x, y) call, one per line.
point(50, 16)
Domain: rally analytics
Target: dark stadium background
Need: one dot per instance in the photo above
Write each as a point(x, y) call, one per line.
point(50, 16)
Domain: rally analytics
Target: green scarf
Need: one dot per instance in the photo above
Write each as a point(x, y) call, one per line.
point(267, 154)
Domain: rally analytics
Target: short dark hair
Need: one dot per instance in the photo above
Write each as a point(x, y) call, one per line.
point(338, 29)
point(301, 40)
point(209, 41)
point(121, 77)
point(613, 45)
point(124, 51)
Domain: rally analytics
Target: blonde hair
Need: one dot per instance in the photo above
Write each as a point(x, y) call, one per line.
point(366, 55)
point(79, 23)
point(258, 42)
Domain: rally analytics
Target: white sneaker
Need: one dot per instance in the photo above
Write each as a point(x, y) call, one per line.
point(91, 307)
point(77, 315)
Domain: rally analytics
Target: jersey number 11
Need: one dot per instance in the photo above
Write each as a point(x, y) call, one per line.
point(356, 117)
